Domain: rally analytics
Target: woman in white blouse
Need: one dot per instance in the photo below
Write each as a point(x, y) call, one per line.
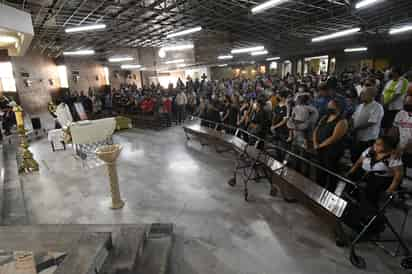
point(379, 169)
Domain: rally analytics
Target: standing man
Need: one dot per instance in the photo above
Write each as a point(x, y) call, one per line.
point(393, 97)
point(366, 122)
point(181, 102)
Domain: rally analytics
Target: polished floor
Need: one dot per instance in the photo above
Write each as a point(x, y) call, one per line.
point(165, 179)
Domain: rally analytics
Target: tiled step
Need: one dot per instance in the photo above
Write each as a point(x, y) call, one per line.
point(157, 250)
point(14, 211)
point(2, 179)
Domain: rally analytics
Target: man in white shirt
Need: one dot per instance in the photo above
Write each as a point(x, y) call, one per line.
point(181, 102)
point(393, 97)
point(366, 122)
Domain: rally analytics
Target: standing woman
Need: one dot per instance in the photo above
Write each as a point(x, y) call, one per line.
point(328, 139)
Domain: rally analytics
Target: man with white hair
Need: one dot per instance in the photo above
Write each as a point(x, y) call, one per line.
point(366, 122)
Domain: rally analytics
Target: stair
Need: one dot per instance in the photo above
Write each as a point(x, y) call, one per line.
point(157, 250)
point(13, 207)
point(2, 179)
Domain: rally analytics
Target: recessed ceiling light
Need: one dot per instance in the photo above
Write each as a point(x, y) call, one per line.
point(398, 30)
point(79, 52)
point(366, 3)
point(8, 39)
point(177, 47)
point(184, 32)
point(336, 35)
point(225, 57)
point(257, 53)
point(120, 59)
point(245, 50)
point(175, 61)
point(85, 28)
point(267, 5)
point(356, 49)
point(130, 66)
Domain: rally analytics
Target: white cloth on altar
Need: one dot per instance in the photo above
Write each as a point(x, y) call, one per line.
point(88, 132)
point(55, 136)
point(64, 116)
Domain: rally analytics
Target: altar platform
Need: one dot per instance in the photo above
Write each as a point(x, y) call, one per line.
point(164, 179)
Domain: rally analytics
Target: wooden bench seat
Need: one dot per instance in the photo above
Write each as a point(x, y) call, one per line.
point(288, 180)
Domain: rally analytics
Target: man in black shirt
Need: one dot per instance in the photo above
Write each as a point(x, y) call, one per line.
point(261, 119)
point(280, 118)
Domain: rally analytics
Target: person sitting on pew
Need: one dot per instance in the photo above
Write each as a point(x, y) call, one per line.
point(377, 166)
point(382, 173)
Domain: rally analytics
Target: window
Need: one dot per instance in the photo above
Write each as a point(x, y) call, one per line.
point(7, 82)
point(63, 76)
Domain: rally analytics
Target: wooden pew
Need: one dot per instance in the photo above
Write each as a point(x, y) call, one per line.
point(291, 184)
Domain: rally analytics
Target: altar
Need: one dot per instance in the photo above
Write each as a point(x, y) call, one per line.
point(86, 135)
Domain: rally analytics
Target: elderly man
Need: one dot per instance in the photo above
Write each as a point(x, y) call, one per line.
point(366, 122)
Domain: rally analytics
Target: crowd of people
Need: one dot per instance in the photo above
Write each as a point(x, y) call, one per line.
point(367, 113)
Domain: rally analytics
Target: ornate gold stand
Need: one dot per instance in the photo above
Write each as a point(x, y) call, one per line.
point(28, 164)
point(109, 154)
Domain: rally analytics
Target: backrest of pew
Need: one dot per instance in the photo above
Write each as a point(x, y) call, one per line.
point(317, 195)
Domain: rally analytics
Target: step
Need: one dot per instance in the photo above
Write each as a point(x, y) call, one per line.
point(14, 211)
point(157, 250)
point(2, 179)
point(88, 249)
point(126, 251)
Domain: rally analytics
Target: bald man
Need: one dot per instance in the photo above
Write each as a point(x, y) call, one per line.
point(367, 121)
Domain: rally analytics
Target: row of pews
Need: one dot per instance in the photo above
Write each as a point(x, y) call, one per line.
point(258, 159)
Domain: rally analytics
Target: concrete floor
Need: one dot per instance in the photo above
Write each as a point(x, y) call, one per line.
point(163, 179)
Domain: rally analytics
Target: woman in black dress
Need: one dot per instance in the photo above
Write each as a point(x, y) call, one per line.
point(328, 141)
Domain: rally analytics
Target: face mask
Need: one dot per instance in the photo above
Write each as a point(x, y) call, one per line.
point(332, 111)
point(407, 107)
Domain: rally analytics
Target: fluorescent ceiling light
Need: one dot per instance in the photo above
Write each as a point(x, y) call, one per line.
point(225, 57)
point(256, 53)
point(336, 35)
point(8, 39)
point(267, 5)
point(85, 28)
point(400, 29)
point(356, 49)
point(184, 32)
point(79, 52)
point(175, 61)
point(272, 58)
point(177, 48)
point(223, 65)
point(366, 3)
point(120, 59)
point(245, 50)
point(315, 57)
point(130, 66)
point(181, 65)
